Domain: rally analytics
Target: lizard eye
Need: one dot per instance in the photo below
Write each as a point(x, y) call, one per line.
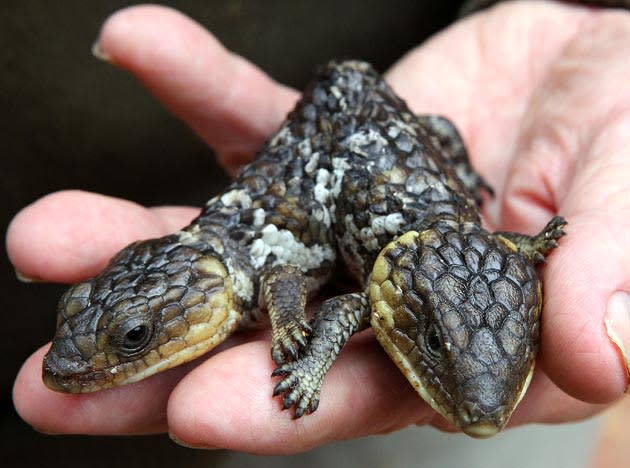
point(433, 341)
point(135, 338)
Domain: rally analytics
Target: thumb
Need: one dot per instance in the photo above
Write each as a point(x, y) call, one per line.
point(586, 326)
point(573, 160)
point(586, 317)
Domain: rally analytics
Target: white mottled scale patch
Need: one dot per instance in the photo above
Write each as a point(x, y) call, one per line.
point(325, 185)
point(322, 215)
point(237, 196)
point(398, 126)
point(259, 217)
point(323, 177)
point(287, 250)
point(358, 141)
point(335, 91)
point(191, 236)
point(321, 193)
point(304, 147)
point(393, 131)
point(186, 238)
point(258, 252)
point(389, 224)
point(322, 186)
point(312, 164)
point(242, 284)
point(367, 237)
point(271, 234)
point(340, 165)
point(285, 136)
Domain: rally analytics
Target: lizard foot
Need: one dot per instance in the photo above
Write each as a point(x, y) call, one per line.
point(289, 340)
point(547, 239)
point(300, 386)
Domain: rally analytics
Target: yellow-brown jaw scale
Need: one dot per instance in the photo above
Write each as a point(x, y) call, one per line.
point(457, 311)
point(147, 316)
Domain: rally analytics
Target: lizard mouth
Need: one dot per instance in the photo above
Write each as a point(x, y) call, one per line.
point(481, 430)
point(66, 376)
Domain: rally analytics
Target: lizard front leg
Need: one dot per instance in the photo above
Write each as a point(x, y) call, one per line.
point(283, 292)
point(537, 247)
point(335, 321)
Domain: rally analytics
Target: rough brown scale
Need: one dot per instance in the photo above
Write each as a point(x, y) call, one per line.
point(352, 178)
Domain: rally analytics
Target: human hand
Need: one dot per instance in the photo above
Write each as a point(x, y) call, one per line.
point(537, 90)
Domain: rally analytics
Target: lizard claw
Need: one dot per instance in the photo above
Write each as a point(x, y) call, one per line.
point(300, 389)
point(290, 340)
point(547, 239)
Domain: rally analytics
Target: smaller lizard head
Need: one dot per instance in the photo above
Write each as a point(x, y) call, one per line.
point(457, 310)
point(158, 303)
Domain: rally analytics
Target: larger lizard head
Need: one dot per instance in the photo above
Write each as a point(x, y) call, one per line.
point(158, 303)
point(457, 310)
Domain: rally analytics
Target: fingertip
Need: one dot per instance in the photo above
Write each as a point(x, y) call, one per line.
point(579, 279)
point(158, 30)
point(47, 411)
point(230, 103)
point(27, 393)
point(133, 409)
point(69, 235)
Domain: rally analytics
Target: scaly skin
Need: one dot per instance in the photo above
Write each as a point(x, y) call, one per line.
point(352, 178)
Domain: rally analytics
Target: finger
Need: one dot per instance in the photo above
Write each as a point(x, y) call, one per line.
point(227, 402)
point(581, 282)
point(134, 409)
point(230, 103)
point(70, 235)
point(574, 161)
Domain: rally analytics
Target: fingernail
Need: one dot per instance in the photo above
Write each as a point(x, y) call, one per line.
point(27, 279)
point(99, 54)
point(184, 444)
point(617, 323)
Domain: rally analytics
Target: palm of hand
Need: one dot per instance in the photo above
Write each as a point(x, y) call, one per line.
point(538, 93)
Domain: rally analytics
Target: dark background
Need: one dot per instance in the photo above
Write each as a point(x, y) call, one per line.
point(71, 121)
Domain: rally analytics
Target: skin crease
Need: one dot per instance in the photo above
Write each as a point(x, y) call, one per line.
point(539, 92)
